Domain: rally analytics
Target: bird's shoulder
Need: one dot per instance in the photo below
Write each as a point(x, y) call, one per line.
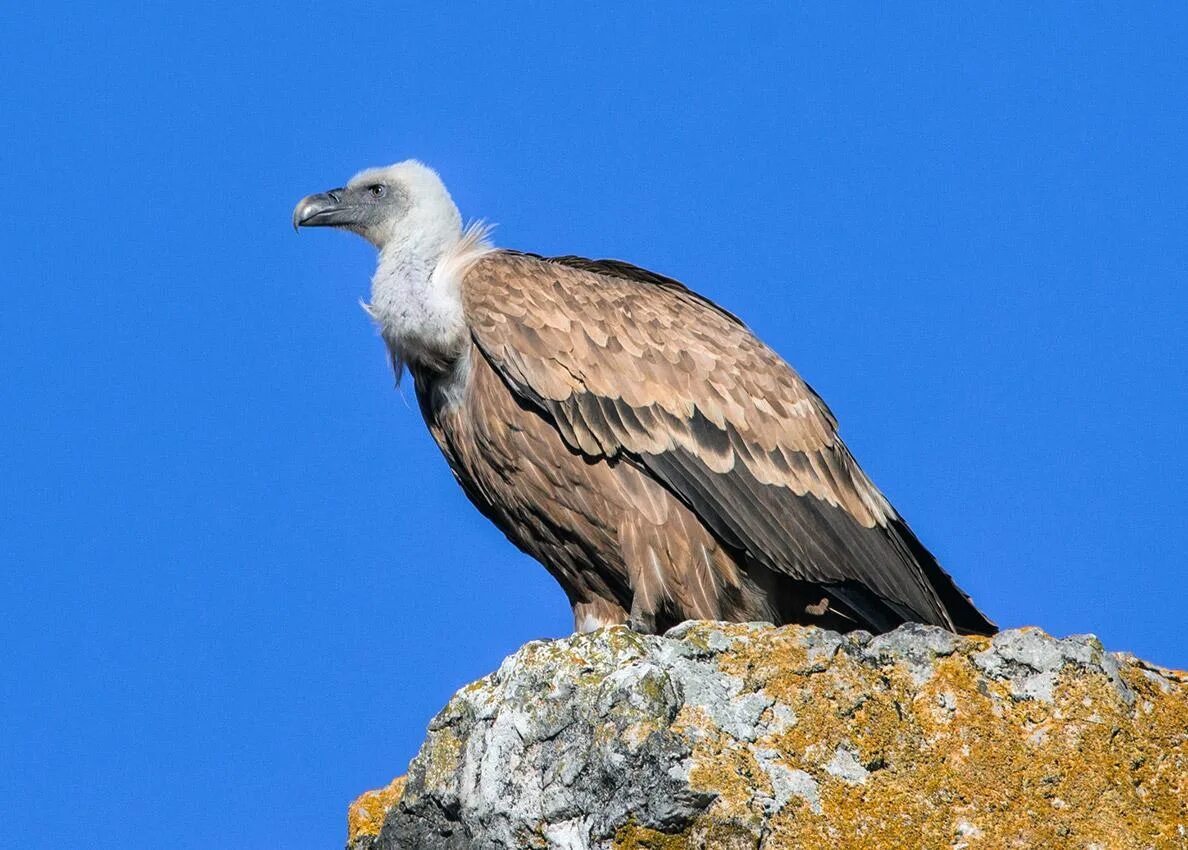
point(524, 282)
point(582, 331)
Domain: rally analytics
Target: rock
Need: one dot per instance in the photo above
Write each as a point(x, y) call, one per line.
point(365, 817)
point(747, 736)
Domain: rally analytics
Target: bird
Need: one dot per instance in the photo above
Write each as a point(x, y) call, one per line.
point(630, 434)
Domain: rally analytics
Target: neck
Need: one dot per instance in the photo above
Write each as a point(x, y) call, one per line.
point(404, 273)
point(416, 292)
point(418, 312)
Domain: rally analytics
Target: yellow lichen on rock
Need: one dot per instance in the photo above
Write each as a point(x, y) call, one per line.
point(365, 816)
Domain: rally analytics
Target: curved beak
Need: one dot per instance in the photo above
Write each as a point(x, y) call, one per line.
point(325, 209)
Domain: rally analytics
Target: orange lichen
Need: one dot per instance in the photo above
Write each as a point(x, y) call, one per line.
point(366, 814)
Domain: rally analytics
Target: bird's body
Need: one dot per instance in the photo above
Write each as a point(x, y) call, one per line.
point(656, 457)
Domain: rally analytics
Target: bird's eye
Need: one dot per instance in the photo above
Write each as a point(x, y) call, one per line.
point(378, 190)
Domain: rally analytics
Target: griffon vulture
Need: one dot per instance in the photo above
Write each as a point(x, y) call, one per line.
point(634, 437)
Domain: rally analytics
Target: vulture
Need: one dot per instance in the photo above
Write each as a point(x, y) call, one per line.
point(658, 459)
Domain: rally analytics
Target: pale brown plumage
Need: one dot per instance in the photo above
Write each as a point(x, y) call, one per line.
point(665, 464)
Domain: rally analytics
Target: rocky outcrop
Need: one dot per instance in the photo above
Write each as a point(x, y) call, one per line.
point(748, 736)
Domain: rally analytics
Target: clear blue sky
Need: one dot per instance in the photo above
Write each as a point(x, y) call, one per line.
point(238, 579)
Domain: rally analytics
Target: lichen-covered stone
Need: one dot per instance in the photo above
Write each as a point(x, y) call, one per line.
point(747, 736)
point(366, 814)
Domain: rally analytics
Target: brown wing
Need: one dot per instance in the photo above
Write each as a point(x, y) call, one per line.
point(624, 364)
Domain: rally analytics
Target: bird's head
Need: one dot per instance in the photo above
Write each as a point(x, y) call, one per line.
point(393, 205)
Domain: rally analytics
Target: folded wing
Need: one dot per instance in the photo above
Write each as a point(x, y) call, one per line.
point(628, 363)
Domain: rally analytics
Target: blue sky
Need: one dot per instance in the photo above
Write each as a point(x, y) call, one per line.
point(238, 577)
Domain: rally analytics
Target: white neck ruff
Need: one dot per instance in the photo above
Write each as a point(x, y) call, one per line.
point(416, 291)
